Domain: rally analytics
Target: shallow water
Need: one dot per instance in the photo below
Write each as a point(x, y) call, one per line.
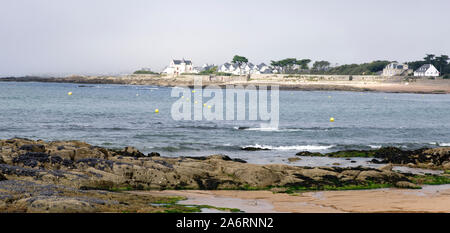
point(122, 115)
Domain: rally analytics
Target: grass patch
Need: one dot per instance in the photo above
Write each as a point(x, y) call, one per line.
point(169, 200)
point(430, 179)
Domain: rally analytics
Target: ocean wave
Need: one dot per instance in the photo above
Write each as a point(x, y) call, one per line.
point(269, 129)
point(295, 147)
point(375, 146)
point(281, 129)
point(444, 144)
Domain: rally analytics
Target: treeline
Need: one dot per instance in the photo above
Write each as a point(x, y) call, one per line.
point(440, 62)
point(294, 66)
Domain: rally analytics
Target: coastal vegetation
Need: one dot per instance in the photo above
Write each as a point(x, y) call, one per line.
point(301, 66)
point(144, 72)
point(239, 60)
point(431, 179)
point(213, 71)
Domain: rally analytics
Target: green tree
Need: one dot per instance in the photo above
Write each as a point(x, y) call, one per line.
point(275, 64)
point(303, 63)
point(376, 66)
point(239, 60)
point(287, 64)
point(429, 58)
point(441, 63)
point(321, 65)
point(211, 70)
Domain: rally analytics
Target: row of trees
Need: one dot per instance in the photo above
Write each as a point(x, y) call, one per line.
point(293, 65)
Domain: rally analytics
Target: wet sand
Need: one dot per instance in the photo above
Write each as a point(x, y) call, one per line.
point(428, 199)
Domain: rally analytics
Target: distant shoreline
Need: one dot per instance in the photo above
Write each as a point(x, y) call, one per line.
point(285, 82)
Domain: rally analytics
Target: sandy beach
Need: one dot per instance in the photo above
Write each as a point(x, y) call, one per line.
point(428, 199)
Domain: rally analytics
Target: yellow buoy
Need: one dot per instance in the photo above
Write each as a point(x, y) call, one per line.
point(209, 106)
point(331, 119)
point(193, 91)
point(204, 105)
point(156, 110)
point(69, 93)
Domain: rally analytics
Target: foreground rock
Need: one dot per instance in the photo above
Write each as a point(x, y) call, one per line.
point(61, 175)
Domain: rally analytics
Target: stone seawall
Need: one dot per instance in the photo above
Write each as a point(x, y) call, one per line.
point(310, 77)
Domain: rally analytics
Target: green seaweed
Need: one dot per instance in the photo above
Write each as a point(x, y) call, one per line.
point(430, 179)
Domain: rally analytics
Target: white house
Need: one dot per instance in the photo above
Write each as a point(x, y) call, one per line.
point(395, 69)
point(248, 68)
point(177, 67)
point(427, 70)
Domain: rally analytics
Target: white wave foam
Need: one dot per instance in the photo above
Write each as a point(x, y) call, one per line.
point(444, 144)
point(375, 146)
point(296, 147)
point(262, 129)
point(270, 129)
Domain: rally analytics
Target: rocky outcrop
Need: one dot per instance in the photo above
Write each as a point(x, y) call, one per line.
point(80, 167)
point(436, 158)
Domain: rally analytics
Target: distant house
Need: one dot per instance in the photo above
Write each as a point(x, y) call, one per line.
point(177, 67)
point(396, 69)
point(248, 68)
point(427, 70)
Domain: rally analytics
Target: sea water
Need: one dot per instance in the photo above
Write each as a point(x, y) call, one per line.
point(115, 116)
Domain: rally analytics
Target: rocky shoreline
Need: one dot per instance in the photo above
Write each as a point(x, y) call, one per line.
point(313, 83)
point(73, 176)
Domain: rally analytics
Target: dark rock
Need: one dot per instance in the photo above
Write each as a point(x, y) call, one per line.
point(153, 154)
point(376, 161)
point(31, 159)
point(164, 163)
point(251, 148)
point(227, 158)
point(350, 153)
point(33, 148)
point(2, 177)
point(239, 160)
point(130, 152)
point(307, 153)
point(18, 171)
point(100, 164)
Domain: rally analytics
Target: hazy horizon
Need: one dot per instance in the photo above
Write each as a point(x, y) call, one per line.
point(97, 37)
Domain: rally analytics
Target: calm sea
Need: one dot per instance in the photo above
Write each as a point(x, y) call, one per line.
point(122, 115)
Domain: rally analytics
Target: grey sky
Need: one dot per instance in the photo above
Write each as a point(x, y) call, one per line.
point(109, 36)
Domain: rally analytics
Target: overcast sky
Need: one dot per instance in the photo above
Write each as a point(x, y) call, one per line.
point(111, 36)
